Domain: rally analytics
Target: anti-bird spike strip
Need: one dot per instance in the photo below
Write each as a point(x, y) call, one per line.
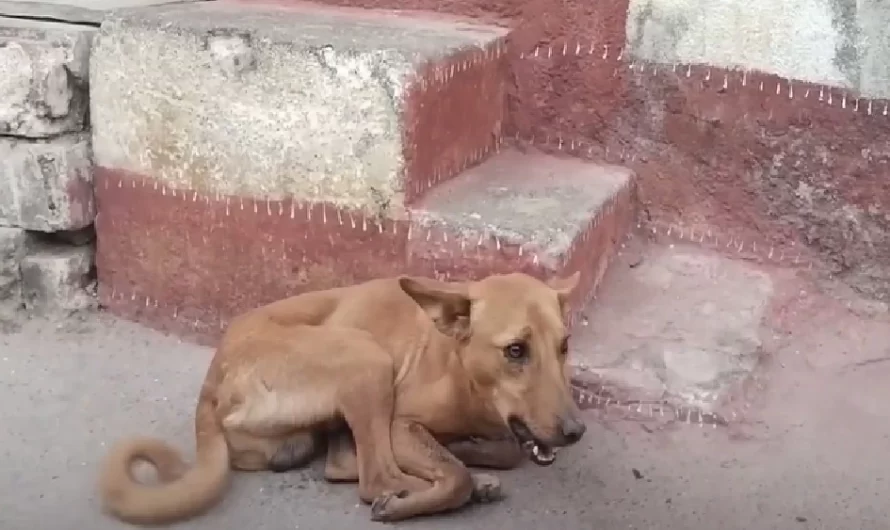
point(447, 240)
point(731, 77)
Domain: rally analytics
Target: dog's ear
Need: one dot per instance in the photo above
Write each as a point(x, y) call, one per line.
point(447, 303)
point(564, 286)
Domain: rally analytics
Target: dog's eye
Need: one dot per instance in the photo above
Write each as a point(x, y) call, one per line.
point(516, 351)
point(564, 346)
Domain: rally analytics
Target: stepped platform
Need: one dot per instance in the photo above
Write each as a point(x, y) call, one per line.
point(249, 152)
point(186, 262)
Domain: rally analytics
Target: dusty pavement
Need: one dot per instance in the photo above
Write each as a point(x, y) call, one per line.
point(806, 448)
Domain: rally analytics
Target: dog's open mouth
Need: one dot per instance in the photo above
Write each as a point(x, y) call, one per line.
point(538, 452)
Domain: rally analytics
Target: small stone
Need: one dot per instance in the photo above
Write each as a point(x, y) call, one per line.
point(58, 279)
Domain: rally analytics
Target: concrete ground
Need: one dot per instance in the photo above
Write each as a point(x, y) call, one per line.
point(809, 450)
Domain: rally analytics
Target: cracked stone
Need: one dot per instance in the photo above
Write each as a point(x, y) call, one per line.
point(58, 279)
point(44, 71)
point(46, 186)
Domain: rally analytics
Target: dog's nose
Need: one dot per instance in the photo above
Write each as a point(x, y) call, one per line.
point(572, 430)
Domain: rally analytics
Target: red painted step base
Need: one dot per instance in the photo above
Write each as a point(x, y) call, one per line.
point(186, 263)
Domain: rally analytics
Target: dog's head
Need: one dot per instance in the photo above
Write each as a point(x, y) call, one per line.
point(513, 345)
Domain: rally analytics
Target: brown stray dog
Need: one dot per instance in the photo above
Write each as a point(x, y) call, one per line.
point(400, 365)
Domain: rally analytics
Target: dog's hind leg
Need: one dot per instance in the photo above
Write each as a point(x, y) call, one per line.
point(276, 453)
point(295, 452)
point(341, 464)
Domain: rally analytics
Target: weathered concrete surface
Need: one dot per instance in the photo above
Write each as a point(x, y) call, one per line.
point(12, 249)
point(541, 202)
point(57, 279)
point(834, 42)
point(810, 40)
point(812, 455)
point(47, 185)
point(43, 77)
point(872, 18)
point(178, 260)
point(542, 214)
point(355, 108)
point(73, 11)
point(696, 353)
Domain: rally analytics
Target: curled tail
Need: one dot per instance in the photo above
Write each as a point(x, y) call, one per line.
point(183, 491)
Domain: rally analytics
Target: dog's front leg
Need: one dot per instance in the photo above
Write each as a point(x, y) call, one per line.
point(496, 453)
point(419, 454)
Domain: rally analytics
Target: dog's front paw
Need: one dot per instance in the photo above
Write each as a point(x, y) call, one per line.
point(382, 507)
point(486, 488)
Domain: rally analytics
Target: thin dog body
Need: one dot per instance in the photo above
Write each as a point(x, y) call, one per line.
point(389, 373)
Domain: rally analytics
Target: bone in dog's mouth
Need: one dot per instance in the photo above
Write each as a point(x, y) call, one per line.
point(539, 452)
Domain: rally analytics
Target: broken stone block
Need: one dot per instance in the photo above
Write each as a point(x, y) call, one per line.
point(46, 185)
point(12, 249)
point(44, 72)
point(58, 279)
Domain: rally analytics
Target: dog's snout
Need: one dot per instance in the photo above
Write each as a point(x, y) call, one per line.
point(572, 429)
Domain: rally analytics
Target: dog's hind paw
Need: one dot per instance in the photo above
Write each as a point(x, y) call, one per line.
point(381, 507)
point(486, 488)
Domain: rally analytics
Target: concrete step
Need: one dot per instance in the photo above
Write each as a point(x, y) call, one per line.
point(186, 262)
point(356, 108)
point(530, 212)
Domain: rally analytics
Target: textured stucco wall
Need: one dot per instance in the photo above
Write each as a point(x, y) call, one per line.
point(835, 42)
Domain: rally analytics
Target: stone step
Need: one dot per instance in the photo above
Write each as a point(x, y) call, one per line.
point(356, 108)
point(530, 212)
point(186, 262)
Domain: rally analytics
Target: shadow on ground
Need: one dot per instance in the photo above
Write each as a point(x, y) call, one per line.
point(801, 375)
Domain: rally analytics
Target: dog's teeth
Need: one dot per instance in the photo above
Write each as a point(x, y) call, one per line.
point(536, 450)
